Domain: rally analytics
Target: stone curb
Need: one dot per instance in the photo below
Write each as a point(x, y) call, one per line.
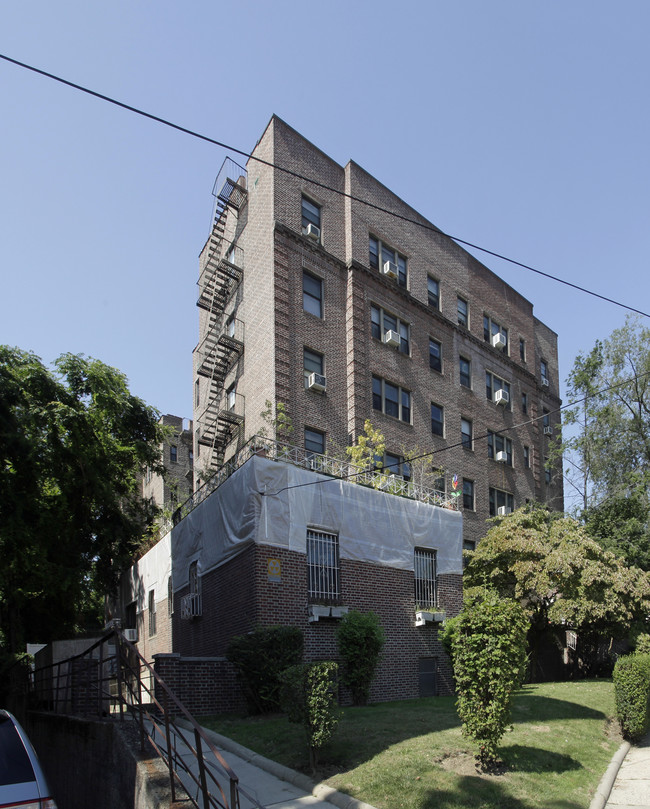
point(607, 781)
point(320, 791)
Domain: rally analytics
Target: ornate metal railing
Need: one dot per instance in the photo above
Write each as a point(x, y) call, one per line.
point(112, 680)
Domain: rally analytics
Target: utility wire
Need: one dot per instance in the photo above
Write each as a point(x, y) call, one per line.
point(409, 220)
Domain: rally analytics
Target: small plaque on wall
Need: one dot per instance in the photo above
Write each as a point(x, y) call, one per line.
point(274, 570)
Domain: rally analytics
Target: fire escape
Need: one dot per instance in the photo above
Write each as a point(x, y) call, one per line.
point(221, 342)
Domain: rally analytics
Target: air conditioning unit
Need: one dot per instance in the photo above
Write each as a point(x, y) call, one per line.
point(390, 270)
point(312, 231)
point(501, 397)
point(191, 606)
point(392, 338)
point(317, 382)
point(503, 511)
point(499, 340)
point(545, 382)
point(502, 456)
point(131, 635)
point(548, 431)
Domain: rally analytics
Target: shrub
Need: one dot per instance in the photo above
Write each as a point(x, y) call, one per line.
point(632, 694)
point(643, 644)
point(308, 696)
point(360, 640)
point(487, 643)
point(260, 657)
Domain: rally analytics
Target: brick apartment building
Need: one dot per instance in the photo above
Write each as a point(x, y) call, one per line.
point(178, 459)
point(342, 312)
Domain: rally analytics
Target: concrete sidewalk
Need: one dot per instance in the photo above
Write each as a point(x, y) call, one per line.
point(626, 784)
point(269, 783)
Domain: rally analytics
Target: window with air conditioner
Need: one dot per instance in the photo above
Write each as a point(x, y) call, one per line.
point(543, 371)
point(391, 400)
point(495, 334)
point(387, 260)
point(311, 219)
point(498, 447)
point(390, 329)
point(313, 370)
point(493, 383)
point(500, 499)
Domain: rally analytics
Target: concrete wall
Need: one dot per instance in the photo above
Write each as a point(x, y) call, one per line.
point(90, 763)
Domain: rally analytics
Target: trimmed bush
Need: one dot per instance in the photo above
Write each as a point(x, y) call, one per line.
point(260, 657)
point(360, 639)
point(487, 644)
point(308, 696)
point(643, 644)
point(632, 694)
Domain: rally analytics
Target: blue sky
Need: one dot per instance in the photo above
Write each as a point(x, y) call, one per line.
point(518, 126)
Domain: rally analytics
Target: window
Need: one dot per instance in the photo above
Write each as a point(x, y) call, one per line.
point(433, 292)
point(231, 397)
point(543, 371)
point(468, 545)
point(173, 454)
point(524, 403)
point(465, 372)
point(152, 612)
point(435, 355)
point(310, 214)
point(314, 442)
point(382, 322)
point(380, 253)
point(527, 457)
point(229, 331)
point(546, 420)
point(194, 582)
point(466, 433)
point(197, 393)
point(500, 499)
point(391, 399)
point(492, 328)
point(468, 494)
point(312, 294)
point(396, 465)
point(440, 483)
point(437, 419)
point(497, 443)
point(463, 311)
point(312, 363)
point(170, 597)
point(323, 574)
point(493, 384)
point(424, 567)
point(522, 349)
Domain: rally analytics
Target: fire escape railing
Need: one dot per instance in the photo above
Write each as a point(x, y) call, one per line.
point(112, 680)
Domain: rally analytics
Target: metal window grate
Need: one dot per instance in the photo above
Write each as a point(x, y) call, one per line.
point(323, 573)
point(425, 577)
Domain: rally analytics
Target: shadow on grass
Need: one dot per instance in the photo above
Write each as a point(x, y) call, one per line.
point(521, 758)
point(530, 708)
point(475, 793)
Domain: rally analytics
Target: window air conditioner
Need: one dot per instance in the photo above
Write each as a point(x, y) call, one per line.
point(545, 383)
point(392, 338)
point(191, 606)
point(502, 456)
point(499, 340)
point(312, 231)
point(131, 635)
point(317, 382)
point(390, 270)
point(503, 511)
point(548, 431)
point(501, 397)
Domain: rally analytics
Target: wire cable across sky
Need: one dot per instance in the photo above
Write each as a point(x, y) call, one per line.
point(235, 150)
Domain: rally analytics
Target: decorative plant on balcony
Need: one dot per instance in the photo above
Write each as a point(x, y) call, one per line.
point(367, 454)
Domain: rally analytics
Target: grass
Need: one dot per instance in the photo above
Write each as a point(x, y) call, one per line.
point(412, 754)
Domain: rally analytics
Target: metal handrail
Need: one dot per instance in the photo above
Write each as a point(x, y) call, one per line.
point(110, 679)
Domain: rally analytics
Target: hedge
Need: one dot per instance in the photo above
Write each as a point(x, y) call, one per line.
point(632, 694)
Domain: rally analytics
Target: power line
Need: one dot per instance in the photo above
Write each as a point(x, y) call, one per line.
point(324, 186)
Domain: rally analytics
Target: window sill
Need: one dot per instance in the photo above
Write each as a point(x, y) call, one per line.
point(318, 611)
point(423, 617)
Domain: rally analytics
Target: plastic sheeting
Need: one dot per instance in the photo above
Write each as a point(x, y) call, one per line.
point(151, 572)
point(273, 503)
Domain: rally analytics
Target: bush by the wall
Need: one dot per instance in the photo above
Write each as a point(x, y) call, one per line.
point(360, 640)
point(487, 644)
point(643, 644)
point(308, 696)
point(632, 694)
point(260, 657)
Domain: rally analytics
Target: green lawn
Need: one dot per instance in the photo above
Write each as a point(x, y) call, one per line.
point(411, 754)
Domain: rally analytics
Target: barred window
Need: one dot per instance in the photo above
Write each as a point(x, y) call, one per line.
point(425, 577)
point(152, 612)
point(323, 573)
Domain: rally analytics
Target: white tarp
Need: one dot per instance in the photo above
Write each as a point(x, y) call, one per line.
point(273, 503)
point(151, 572)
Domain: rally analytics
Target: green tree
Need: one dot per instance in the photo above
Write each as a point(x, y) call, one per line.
point(72, 444)
point(622, 525)
point(560, 575)
point(360, 640)
point(486, 643)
